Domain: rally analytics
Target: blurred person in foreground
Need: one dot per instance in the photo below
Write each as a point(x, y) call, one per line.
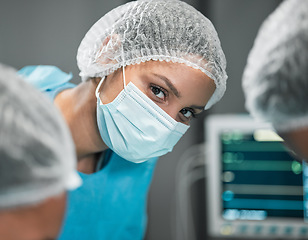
point(37, 162)
point(275, 80)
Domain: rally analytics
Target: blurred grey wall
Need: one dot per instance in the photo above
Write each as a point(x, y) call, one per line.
point(49, 32)
point(46, 32)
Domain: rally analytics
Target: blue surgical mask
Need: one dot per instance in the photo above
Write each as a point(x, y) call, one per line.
point(134, 127)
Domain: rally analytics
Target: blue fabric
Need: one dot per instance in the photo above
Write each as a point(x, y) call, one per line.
point(45, 77)
point(48, 79)
point(111, 203)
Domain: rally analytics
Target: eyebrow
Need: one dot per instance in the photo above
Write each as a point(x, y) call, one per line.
point(169, 84)
point(198, 107)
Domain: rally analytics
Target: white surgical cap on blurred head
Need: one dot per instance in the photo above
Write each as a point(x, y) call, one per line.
point(37, 155)
point(141, 31)
point(275, 80)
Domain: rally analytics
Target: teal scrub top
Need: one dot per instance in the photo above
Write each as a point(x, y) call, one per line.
point(112, 202)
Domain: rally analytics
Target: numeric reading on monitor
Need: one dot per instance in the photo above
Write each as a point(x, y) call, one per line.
point(260, 178)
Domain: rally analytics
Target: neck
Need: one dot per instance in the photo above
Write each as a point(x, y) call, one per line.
point(78, 106)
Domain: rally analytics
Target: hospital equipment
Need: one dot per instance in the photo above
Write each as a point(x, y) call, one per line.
point(254, 186)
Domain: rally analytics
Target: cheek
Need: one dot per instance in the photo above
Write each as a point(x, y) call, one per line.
point(203, 96)
point(198, 95)
point(110, 89)
point(296, 144)
point(206, 91)
point(198, 91)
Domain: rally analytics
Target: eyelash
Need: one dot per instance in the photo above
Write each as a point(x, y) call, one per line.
point(193, 113)
point(165, 92)
point(161, 89)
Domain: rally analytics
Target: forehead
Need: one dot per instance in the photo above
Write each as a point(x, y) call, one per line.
point(170, 68)
point(194, 85)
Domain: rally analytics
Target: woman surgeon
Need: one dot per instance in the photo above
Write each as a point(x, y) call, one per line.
point(147, 69)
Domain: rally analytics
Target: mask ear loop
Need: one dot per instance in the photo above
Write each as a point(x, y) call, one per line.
point(98, 87)
point(123, 67)
point(123, 71)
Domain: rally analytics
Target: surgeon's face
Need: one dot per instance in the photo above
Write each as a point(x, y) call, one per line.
point(297, 141)
point(179, 90)
point(38, 222)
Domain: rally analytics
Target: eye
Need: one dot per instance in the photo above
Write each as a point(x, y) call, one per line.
point(158, 92)
point(188, 113)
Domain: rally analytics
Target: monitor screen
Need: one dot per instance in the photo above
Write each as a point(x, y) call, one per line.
point(255, 186)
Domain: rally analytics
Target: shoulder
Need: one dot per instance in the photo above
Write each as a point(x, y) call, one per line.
point(45, 77)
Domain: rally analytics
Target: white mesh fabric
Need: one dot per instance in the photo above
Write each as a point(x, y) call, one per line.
point(141, 31)
point(275, 80)
point(37, 155)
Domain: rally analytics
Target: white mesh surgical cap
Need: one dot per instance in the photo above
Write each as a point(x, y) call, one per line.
point(37, 155)
point(141, 31)
point(275, 80)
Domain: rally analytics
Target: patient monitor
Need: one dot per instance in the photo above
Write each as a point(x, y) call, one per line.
point(254, 186)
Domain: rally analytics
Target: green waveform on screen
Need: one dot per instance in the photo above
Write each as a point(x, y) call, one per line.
point(255, 147)
point(263, 165)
